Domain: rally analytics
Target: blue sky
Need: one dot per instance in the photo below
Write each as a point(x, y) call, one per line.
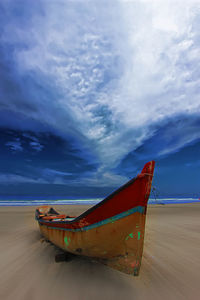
point(91, 90)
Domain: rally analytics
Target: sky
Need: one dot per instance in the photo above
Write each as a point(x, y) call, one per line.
point(92, 90)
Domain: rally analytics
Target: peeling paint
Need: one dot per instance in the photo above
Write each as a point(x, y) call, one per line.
point(139, 234)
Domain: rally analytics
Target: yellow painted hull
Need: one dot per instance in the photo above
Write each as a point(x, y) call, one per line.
point(118, 244)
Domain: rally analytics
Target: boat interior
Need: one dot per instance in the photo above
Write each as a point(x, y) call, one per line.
point(50, 214)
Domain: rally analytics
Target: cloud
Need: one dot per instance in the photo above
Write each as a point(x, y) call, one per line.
point(57, 172)
point(15, 145)
point(105, 179)
point(193, 164)
point(186, 132)
point(18, 179)
point(36, 146)
point(108, 74)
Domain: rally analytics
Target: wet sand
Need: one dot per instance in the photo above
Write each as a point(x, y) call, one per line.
point(170, 266)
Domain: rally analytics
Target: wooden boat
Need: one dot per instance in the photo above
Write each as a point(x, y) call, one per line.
point(111, 231)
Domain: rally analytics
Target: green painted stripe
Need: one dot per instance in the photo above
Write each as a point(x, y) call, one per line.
point(126, 213)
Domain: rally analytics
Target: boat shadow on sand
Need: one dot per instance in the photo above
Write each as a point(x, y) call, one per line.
point(90, 277)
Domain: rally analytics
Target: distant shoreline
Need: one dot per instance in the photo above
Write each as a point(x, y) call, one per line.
point(90, 202)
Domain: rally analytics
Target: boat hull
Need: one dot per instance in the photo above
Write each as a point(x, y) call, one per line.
point(111, 232)
point(118, 242)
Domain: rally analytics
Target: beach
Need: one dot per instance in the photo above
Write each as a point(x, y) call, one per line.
point(170, 265)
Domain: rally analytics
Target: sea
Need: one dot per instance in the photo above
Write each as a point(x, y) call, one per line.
point(31, 201)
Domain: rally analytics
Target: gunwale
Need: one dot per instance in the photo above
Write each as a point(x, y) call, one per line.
point(112, 205)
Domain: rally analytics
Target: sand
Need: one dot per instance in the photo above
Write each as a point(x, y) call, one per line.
point(170, 266)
